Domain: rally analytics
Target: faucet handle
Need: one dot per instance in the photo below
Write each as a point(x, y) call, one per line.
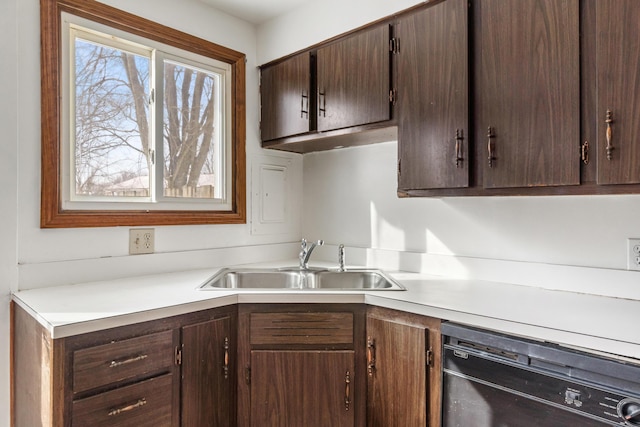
point(341, 258)
point(320, 242)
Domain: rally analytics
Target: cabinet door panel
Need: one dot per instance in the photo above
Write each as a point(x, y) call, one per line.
point(353, 80)
point(433, 110)
point(528, 92)
point(301, 388)
point(207, 374)
point(398, 393)
point(285, 92)
point(618, 62)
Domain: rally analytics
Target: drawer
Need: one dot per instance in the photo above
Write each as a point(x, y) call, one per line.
point(147, 403)
point(109, 363)
point(302, 328)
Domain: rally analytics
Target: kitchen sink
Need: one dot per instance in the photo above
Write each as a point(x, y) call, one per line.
point(295, 278)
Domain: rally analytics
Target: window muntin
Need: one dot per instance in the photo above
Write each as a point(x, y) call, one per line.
point(168, 146)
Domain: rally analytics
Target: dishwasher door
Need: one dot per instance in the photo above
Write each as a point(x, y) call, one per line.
point(493, 380)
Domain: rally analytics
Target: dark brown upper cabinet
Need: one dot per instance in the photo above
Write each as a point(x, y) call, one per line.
point(431, 47)
point(618, 91)
point(285, 90)
point(337, 93)
point(353, 80)
point(527, 88)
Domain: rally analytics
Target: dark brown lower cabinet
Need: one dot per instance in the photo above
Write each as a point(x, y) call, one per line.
point(301, 365)
point(302, 388)
point(208, 373)
point(403, 369)
point(251, 365)
point(175, 371)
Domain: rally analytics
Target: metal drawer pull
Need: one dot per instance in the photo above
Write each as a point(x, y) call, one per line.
point(116, 363)
point(347, 390)
point(225, 366)
point(128, 408)
point(459, 139)
point(609, 135)
point(490, 147)
point(371, 356)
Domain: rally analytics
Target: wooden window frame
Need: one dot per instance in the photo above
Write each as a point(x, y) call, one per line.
point(52, 214)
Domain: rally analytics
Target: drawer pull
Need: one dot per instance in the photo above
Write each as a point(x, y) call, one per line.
point(347, 390)
point(138, 404)
point(116, 363)
point(371, 356)
point(225, 366)
point(459, 140)
point(490, 147)
point(609, 135)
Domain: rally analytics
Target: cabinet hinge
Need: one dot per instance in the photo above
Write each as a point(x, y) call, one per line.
point(584, 152)
point(394, 45)
point(429, 357)
point(393, 96)
point(178, 355)
point(399, 167)
point(247, 375)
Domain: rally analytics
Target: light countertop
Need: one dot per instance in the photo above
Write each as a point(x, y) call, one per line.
point(597, 323)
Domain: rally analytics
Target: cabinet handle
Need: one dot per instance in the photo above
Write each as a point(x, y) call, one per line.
point(116, 363)
point(371, 356)
point(225, 366)
point(347, 390)
point(459, 139)
point(304, 110)
point(490, 146)
point(322, 104)
point(118, 411)
point(609, 135)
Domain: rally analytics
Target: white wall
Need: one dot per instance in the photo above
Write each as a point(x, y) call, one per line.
point(32, 257)
point(8, 189)
point(55, 256)
point(350, 198)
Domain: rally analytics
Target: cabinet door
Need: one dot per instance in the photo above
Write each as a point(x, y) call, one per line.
point(528, 92)
point(285, 96)
point(302, 388)
point(433, 110)
point(403, 369)
point(618, 62)
point(208, 372)
point(353, 80)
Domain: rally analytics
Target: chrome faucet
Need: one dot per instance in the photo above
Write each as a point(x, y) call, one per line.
point(341, 258)
point(305, 252)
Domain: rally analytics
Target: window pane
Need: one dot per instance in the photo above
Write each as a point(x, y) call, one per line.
point(111, 121)
point(191, 128)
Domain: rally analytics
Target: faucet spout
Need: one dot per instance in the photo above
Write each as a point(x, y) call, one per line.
point(305, 252)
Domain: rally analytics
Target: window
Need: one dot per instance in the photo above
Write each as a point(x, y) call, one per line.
point(141, 124)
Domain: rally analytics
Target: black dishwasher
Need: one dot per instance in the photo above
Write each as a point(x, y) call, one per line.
point(496, 380)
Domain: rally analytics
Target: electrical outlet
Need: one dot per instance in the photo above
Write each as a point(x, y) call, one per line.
point(633, 254)
point(141, 241)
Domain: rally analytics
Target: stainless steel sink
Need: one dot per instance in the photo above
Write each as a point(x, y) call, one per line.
point(356, 279)
point(294, 278)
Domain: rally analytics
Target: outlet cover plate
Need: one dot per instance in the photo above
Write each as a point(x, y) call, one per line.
point(633, 254)
point(141, 241)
